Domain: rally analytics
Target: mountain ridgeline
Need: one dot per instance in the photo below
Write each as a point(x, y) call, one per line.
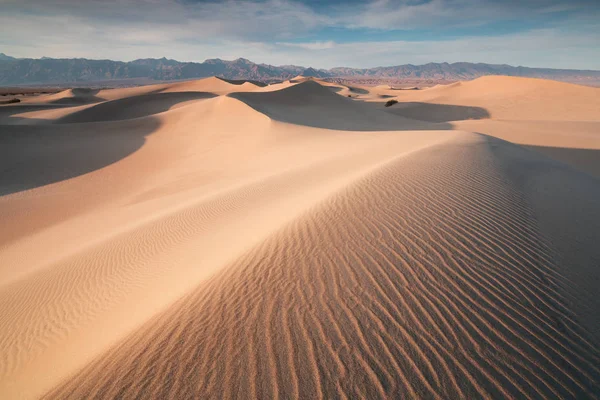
point(23, 71)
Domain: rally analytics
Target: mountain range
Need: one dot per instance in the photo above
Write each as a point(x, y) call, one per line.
point(24, 71)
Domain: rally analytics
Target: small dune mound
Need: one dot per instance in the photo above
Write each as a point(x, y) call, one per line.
point(132, 107)
point(212, 85)
point(75, 96)
point(295, 95)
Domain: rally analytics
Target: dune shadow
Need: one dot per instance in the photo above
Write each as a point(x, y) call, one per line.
point(80, 96)
point(132, 107)
point(8, 112)
point(586, 160)
point(438, 112)
point(406, 88)
point(33, 156)
point(358, 90)
point(313, 105)
point(242, 81)
point(82, 142)
point(351, 89)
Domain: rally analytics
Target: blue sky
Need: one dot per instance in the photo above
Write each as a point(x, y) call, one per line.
point(322, 34)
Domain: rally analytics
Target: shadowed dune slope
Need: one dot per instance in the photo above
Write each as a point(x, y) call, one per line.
point(11, 115)
point(431, 277)
point(243, 81)
point(34, 156)
point(576, 143)
point(132, 107)
point(75, 96)
point(437, 112)
point(311, 104)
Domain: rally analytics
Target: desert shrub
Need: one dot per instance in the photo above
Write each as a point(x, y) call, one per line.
point(390, 103)
point(10, 101)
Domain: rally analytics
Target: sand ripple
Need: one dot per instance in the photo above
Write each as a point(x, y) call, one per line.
point(427, 278)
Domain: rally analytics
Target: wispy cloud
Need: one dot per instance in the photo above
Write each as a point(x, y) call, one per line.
point(310, 45)
point(540, 48)
point(306, 33)
point(447, 14)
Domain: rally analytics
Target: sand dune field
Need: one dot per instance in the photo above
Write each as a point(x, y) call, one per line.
point(226, 239)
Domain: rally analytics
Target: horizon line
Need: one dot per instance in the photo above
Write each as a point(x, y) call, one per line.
point(301, 66)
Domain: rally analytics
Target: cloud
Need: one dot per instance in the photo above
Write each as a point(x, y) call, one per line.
point(310, 45)
point(445, 14)
point(240, 19)
point(536, 48)
point(305, 33)
point(386, 14)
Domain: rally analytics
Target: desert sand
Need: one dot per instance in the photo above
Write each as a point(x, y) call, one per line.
point(218, 239)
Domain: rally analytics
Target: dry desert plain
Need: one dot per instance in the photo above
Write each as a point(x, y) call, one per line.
point(215, 239)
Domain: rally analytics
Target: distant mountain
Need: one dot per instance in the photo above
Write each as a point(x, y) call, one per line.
point(46, 70)
point(4, 57)
point(463, 71)
point(316, 73)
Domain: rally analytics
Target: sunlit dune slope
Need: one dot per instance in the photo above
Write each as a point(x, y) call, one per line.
point(516, 98)
point(559, 120)
point(416, 280)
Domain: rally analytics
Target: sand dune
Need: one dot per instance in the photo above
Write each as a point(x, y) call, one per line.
point(516, 98)
point(559, 120)
point(212, 85)
point(400, 299)
point(216, 239)
point(71, 97)
point(311, 104)
point(576, 143)
point(86, 105)
point(132, 107)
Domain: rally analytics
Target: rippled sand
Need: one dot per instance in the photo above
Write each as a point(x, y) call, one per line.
point(208, 239)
